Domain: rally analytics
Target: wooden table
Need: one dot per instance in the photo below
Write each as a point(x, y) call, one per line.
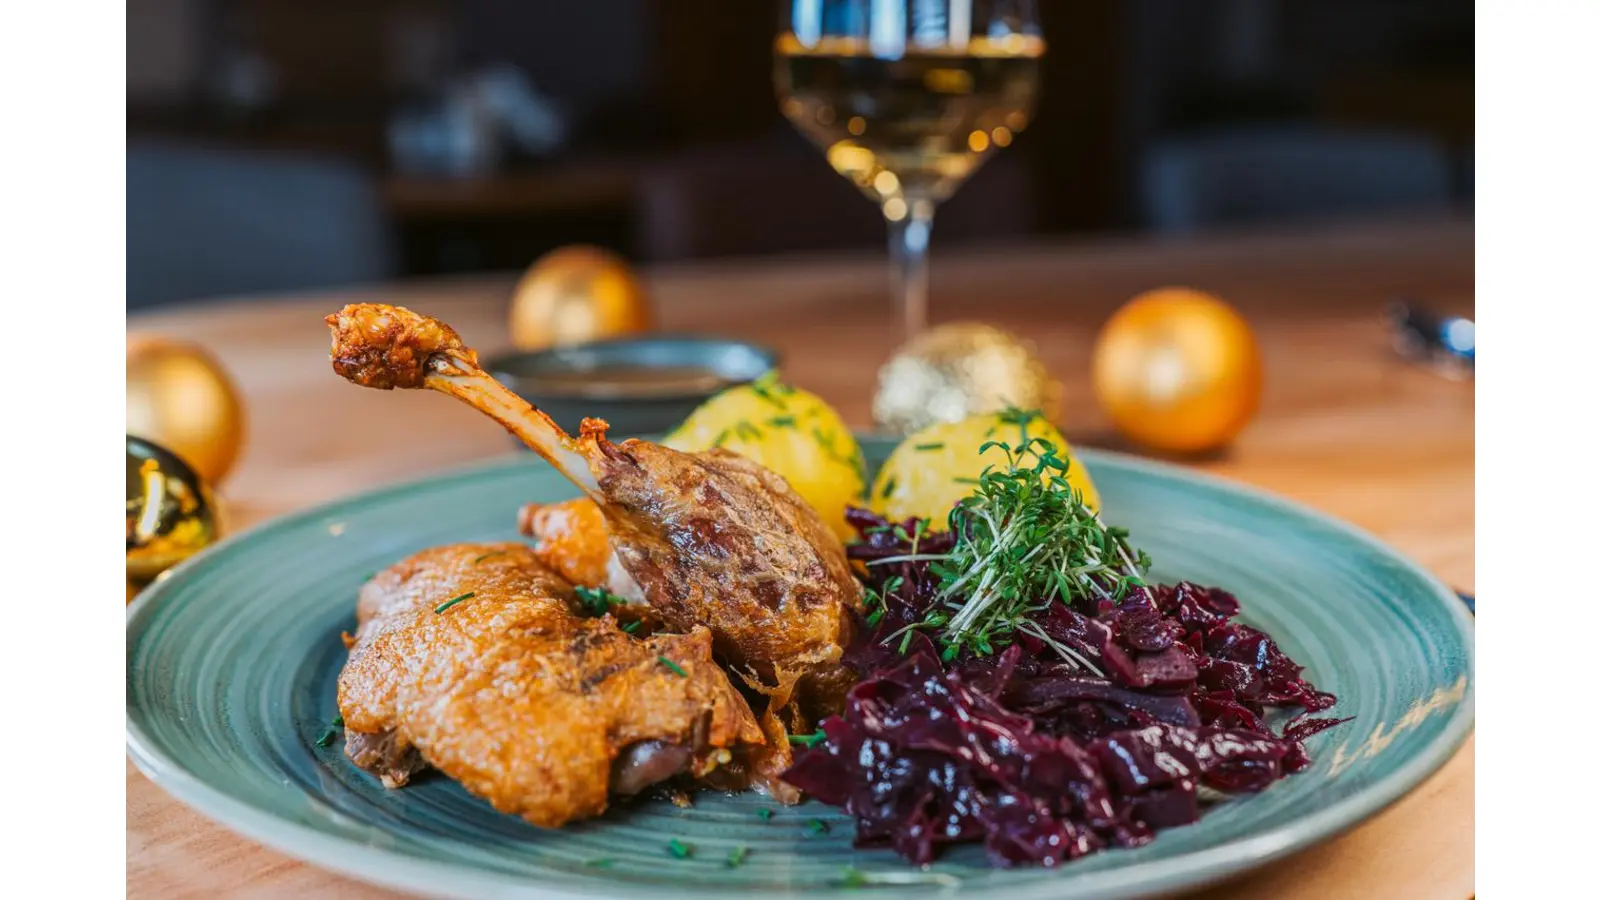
point(1344, 427)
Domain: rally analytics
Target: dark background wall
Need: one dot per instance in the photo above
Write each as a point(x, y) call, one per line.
point(674, 146)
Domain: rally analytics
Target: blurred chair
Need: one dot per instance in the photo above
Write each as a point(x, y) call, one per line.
point(1253, 175)
point(781, 197)
point(206, 223)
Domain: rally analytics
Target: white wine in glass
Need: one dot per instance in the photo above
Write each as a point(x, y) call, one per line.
point(906, 99)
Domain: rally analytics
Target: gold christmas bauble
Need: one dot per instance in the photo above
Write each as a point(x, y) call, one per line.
point(957, 370)
point(180, 397)
point(574, 294)
point(1178, 370)
point(171, 512)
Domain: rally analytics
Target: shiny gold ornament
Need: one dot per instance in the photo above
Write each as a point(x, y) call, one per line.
point(180, 398)
point(575, 294)
point(171, 513)
point(1178, 370)
point(962, 369)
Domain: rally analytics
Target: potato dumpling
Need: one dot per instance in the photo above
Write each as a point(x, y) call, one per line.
point(929, 472)
point(790, 431)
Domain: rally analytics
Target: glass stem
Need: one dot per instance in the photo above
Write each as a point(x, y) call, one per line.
point(908, 248)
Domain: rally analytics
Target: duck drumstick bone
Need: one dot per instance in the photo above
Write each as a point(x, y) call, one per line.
point(388, 347)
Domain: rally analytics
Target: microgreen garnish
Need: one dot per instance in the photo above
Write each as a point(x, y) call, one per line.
point(338, 722)
point(327, 737)
point(808, 740)
point(1023, 539)
point(676, 669)
point(631, 627)
point(679, 849)
point(490, 555)
point(737, 857)
point(816, 827)
point(597, 601)
point(924, 448)
point(454, 600)
point(764, 813)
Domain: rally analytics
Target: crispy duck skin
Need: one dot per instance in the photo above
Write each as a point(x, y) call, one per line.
point(508, 690)
point(571, 538)
point(711, 539)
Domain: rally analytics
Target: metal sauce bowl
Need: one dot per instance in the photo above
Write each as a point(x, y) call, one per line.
point(639, 385)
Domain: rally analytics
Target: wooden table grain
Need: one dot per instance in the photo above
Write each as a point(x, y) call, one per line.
point(1344, 426)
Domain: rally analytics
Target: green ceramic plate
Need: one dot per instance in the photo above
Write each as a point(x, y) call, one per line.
point(232, 661)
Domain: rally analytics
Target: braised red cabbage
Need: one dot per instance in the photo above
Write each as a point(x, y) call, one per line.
point(1096, 735)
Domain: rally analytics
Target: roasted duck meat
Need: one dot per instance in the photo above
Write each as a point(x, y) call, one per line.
point(474, 659)
point(709, 538)
point(571, 538)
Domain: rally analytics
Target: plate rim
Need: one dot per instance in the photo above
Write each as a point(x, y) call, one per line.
point(400, 871)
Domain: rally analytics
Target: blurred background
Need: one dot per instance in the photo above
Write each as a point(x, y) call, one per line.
point(285, 144)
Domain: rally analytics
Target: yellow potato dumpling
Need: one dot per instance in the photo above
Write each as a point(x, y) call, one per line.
point(790, 431)
point(932, 470)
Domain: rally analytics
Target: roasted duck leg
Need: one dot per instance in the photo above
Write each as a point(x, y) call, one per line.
point(473, 658)
point(710, 538)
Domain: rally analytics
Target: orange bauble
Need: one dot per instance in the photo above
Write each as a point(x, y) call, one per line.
point(181, 398)
point(1178, 370)
point(574, 294)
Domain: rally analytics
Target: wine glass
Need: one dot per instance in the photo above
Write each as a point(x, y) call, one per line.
point(906, 98)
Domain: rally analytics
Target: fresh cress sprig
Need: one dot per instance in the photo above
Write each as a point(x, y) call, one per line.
point(1023, 540)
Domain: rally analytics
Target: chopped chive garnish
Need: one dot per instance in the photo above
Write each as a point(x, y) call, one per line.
point(633, 626)
point(721, 438)
point(454, 600)
point(781, 421)
point(746, 430)
point(327, 737)
point(338, 721)
point(764, 813)
point(597, 601)
point(937, 445)
point(490, 555)
point(737, 857)
point(808, 740)
point(769, 388)
point(816, 827)
point(599, 862)
point(888, 487)
point(676, 669)
point(679, 849)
